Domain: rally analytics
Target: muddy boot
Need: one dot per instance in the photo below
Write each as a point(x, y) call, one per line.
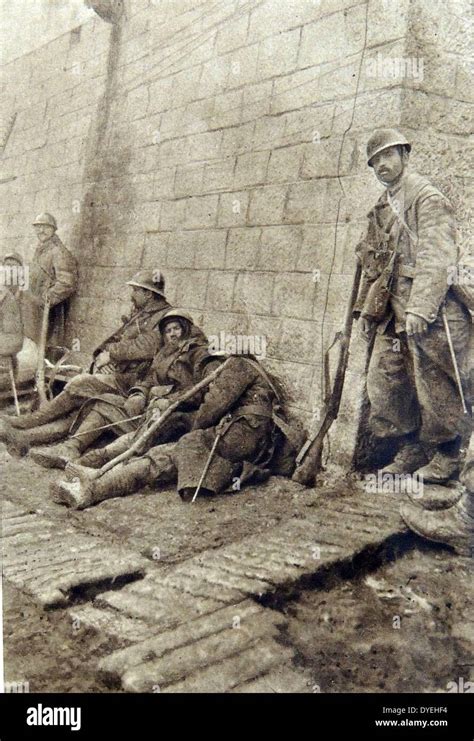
point(435, 497)
point(18, 442)
point(467, 476)
point(86, 488)
point(58, 407)
point(440, 469)
point(99, 457)
point(408, 459)
point(58, 456)
point(453, 526)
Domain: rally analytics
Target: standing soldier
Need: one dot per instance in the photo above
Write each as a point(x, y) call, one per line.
point(407, 256)
point(53, 276)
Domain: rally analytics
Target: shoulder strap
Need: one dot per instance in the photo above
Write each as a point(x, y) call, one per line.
point(264, 375)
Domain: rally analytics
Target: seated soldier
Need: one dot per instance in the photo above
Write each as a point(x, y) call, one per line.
point(182, 344)
point(120, 362)
point(236, 437)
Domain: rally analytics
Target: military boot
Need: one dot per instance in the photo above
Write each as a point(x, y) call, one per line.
point(440, 469)
point(453, 526)
point(435, 497)
point(408, 459)
point(58, 456)
point(467, 475)
point(18, 442)
point(87, 488)
point(58, 407)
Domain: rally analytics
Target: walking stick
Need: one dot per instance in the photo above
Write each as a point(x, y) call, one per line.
point(40, 376)
point(150, 432)
point(453, 358)
point(206, 467)
point(12, 381)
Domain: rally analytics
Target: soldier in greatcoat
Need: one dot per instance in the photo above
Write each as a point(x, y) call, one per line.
point(407, 256)
point(53, 276)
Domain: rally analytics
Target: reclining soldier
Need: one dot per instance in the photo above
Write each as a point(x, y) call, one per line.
point(120, 362)
point(404, 298)
point(236, 437)
point(171, 372)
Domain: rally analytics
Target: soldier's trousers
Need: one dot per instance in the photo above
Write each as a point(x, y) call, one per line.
point(243, 441)
point(412, 387)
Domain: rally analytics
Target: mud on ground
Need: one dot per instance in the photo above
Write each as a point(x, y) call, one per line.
point(402, 622)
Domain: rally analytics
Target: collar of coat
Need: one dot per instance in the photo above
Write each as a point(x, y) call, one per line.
point(53, 241)
point(411, 186)
point(159, 304)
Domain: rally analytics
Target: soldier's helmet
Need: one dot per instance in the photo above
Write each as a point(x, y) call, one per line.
point(383, 139)
point(12, 256)
point(150, 280)
point(47, 219)
point(184, 319)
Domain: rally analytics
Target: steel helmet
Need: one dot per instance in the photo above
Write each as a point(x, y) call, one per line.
point(174, 314)
point(12, 256)
point(46, 219)
point(382, 139)
point(150, 280)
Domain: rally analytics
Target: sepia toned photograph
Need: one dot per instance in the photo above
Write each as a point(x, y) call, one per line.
point(236, 354)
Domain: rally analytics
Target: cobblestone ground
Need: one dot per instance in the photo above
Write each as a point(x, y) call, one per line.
point(273, 589)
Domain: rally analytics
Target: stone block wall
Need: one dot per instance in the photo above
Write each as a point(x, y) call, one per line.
point(224, 143)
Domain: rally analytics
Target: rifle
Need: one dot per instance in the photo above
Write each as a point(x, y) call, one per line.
point(11, 371)
point(40, 375)
point(308, 462)
point(138, 445)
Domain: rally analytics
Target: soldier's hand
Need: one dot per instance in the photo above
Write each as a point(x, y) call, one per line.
point(366, 325)
point(36, 300)
point(416, 325)
point(102, 359)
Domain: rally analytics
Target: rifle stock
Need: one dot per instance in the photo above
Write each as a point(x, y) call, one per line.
point(310, 456)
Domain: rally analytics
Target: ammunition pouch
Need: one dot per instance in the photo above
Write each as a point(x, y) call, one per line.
point(376, 301)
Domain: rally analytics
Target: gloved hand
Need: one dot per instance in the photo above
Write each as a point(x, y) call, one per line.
point(161, 404)
point(135, 405)
point(366, 325)
point(416, 325)
point(102, 359)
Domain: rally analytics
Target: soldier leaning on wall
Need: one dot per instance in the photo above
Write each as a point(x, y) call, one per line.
point(238, 436)
point(53, 275)
point(171, 373)
point(411, 381)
